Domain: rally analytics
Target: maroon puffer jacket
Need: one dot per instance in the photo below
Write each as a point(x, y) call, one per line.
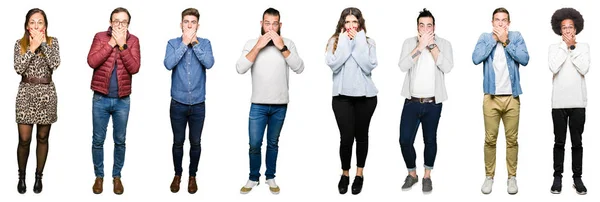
point(102, 58)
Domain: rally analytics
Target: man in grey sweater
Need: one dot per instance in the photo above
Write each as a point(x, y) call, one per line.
point(268, 57)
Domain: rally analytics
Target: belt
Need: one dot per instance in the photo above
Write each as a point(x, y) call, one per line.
point(422, 100)
point(36, 80)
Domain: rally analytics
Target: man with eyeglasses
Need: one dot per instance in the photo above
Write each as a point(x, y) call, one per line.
point(501, 52)
point(115, 57)
point(188, 57)
point(569, 62)
point(269, 56)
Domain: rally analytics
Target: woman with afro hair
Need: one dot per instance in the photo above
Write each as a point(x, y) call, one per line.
point(569, 61)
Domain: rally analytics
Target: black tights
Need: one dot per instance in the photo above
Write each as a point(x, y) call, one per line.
point(25, 131)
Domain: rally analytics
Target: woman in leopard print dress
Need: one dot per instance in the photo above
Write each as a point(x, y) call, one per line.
point(36, 57)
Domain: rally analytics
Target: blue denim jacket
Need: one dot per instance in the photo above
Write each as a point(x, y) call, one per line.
point(189, 65)
point(516, 53)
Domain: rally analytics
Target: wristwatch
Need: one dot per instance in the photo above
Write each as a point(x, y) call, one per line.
point(572, 47)
point(505, 43)
point(284, 48)
point(124, 47)
point(431, 46)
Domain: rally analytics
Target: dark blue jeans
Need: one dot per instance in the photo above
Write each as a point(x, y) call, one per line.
point(102, 109)
point(413, 114)
point(269, 117)
point(183, 115)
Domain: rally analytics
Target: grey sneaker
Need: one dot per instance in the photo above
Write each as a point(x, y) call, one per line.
point(486, 188)
point(409, 182)
point(427, 185)
point(512, 185)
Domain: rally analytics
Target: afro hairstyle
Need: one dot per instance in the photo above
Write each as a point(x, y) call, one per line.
point(566, 13)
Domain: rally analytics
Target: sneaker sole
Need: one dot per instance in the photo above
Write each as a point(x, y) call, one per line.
point(580, 193)
point(554, 191)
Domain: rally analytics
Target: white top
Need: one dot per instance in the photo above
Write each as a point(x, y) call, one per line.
point(443, 65)
point(270, 72)
point(423, 85)
point(569, 68)
point(503, 86)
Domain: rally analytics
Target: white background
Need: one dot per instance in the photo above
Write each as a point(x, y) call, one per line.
point(308, 167)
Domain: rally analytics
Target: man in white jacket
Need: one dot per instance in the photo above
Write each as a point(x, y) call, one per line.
point(569, 62)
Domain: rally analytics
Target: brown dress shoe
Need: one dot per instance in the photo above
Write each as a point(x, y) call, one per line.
point(117, 186)
point(192, 186)
point(175, 184)
point(97, 188)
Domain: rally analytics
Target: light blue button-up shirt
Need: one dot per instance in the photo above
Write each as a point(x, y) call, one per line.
point(189, 65)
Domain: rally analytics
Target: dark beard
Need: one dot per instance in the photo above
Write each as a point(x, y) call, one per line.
point(270, 43)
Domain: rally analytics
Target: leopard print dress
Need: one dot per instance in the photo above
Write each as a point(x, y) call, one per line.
point(36, 103)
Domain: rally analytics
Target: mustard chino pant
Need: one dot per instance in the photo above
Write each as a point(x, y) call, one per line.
point(507, 109)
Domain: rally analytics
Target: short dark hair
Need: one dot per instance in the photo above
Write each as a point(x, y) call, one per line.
point(190, 11)
point(501, 10)
point(118, 10)
point(563, 14)
point(271, 11)
point(425, 13)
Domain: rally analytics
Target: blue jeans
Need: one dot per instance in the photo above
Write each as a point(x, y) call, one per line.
point(181, 116)
point(413, 114)
point(261, 116)
point(103, 108)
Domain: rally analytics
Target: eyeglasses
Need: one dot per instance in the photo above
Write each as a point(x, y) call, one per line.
point(116, 22)
point(268, 24)
point(567, 28)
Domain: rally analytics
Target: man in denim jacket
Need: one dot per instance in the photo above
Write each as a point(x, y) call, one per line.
point(501, 52)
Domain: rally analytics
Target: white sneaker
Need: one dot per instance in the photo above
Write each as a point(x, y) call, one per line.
point(248, 187)
point(512, 185)
point(273, 186)
point(487, 185)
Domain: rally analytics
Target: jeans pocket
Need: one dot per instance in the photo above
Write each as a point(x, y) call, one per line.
point(96, 97)
point(126, 100)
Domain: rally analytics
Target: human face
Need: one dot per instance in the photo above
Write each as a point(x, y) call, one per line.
point(119, 20)
point(351, 22)
point(269, 23)
point(567, 27)
point(36, 22)
point(189, 22)
point(425, 25)
point(500, 20)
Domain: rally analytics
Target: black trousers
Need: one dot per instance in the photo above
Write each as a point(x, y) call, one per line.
point(353, 116)
point(575, 119)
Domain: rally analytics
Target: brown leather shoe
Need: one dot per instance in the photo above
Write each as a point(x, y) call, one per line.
point(175, 184)
point(97, 188)
point(117, 186)
point(192, 186)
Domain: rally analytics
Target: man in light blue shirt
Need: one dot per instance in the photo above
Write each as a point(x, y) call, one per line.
point(188, 57)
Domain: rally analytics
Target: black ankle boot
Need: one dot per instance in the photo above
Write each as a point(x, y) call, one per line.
point(37, 186)
point(357, 185)
point(343, 184)
point(21, 187)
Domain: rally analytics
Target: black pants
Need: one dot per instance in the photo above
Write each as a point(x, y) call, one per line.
point(353, 116)
point(575, 118)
